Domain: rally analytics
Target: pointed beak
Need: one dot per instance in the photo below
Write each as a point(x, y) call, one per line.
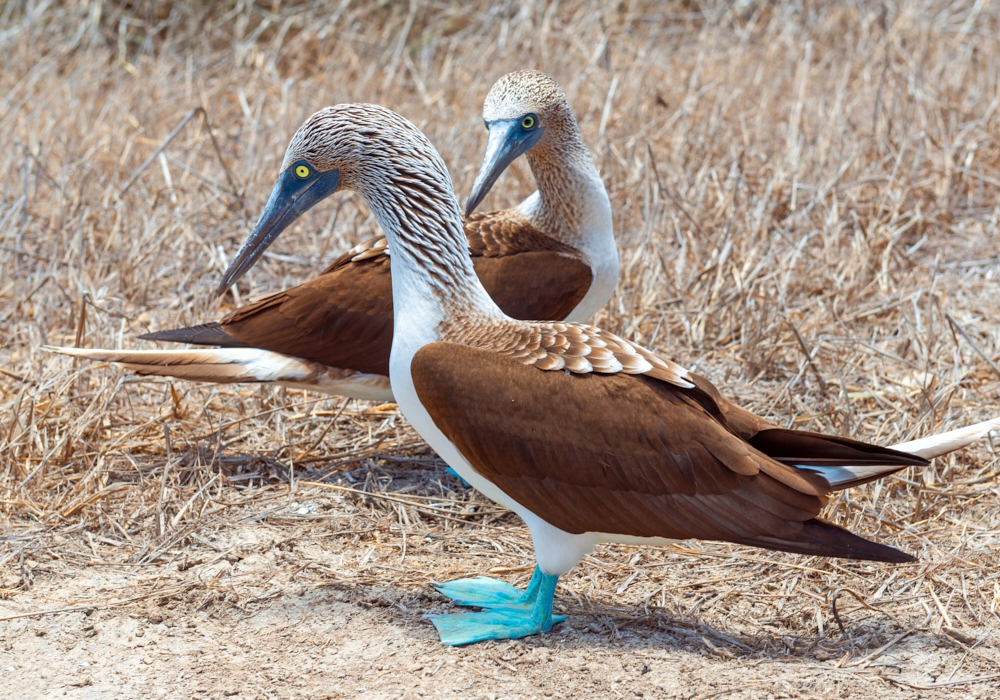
point(290, 198)
point(507, 141)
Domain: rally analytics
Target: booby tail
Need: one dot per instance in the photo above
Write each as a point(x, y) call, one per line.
point(843, 477)
point(235, 365)
point(842, 461)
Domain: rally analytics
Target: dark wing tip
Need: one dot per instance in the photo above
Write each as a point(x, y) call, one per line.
point(202, 334)
point(821, 538)
point(803, 448)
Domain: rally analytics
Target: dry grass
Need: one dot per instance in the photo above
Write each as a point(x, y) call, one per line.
point(805, 204)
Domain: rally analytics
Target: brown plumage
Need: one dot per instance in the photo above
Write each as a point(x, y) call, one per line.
point(552, 257)
point(587, 437)
point(343, 317)
point(638, 455)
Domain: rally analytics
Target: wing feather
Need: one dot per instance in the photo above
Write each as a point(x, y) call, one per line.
point(623, 454)
point(343, 317)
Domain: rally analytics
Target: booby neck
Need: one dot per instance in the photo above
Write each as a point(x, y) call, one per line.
point(433, 278)
point(571, 204)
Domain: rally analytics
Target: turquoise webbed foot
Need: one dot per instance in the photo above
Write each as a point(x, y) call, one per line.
point(483, 592)
point(508, 612)
point(468, 628)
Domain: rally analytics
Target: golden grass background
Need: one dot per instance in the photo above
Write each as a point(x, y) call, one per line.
point(805, 203)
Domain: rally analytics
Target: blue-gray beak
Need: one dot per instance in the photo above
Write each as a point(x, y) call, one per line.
point(291, 197)
point(508, 139)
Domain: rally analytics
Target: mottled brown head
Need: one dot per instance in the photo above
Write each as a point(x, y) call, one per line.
point(365, 148)
point(523, 93)
point(524, 111)
point(365, 142)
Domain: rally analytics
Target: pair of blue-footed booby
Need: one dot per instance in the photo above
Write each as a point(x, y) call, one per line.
point(552, 257)
point(586, 436)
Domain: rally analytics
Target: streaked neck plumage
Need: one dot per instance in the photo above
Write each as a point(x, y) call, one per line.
point(572, 204)
point(433, 279)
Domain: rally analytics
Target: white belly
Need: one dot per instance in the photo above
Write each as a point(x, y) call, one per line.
point(356, 385)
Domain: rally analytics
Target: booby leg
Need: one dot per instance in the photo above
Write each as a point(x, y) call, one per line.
point(485, 592)
point(499, 620)
point(452, 472)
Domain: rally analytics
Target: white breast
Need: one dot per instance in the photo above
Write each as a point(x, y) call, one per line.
point(595, 238)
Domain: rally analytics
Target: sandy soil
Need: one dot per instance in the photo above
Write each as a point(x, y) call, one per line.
point(282, 605)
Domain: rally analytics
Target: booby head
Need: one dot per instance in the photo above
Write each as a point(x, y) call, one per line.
point(519, 108)
point(344, 147)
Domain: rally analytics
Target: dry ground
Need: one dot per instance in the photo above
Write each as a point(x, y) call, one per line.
point(805, 198)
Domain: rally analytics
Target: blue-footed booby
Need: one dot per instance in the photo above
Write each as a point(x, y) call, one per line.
point(551, 257)
point(586, 436)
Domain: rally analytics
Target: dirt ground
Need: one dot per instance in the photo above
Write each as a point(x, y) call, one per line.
point(806, 210)
point(311, 594)
point(279, 610)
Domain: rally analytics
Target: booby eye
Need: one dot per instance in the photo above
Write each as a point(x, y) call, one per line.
point(528, 122)
point(302, 171)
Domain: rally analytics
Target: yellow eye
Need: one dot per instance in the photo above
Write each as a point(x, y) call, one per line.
point(528, 122)
point(302, 171)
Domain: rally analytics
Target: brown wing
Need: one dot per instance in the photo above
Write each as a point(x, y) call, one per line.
point(535, 285)
point(624, 454)
point(343, 318)
point(529, 274)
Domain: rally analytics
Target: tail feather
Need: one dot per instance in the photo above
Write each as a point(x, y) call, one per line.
point(846, 476)
point(805, 449)
point(943, 443)
point(236, 365)
point(821, 538)
point(202, 334)
point(217, 365)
